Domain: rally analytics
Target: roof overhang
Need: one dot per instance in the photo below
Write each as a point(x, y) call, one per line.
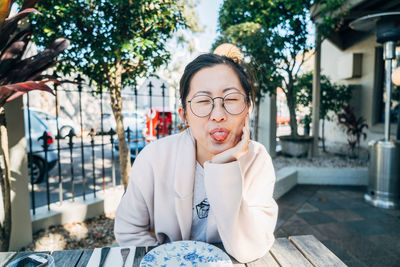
point(344, 37)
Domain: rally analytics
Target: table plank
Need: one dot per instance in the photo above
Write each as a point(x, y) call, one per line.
point(66, 258)
point(139, 254)
point(266, 261)
point(234, 261)
point(292, 251)
point(6, 257)
point(84, 259)
point(286, 254)
point(150, 248)
point(315, 251)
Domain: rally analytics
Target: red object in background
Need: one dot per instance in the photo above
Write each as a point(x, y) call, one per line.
point(165, 122)
point(151, 122)
point(158, 122)
point(50, 140)
point(282, 120)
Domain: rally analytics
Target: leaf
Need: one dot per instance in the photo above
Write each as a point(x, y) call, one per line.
point(10, 25)
point(33, 66)
point(5, 6)
point(29, 4)
point(22, 14)
point(14, 52)
point(12, 91)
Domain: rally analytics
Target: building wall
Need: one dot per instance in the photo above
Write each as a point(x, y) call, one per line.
point(363, 99)
point(21, 228)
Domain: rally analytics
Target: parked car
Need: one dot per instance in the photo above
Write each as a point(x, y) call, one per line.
point(135, 143)
point(65, 125)
point(130, 121)
point(38, 127)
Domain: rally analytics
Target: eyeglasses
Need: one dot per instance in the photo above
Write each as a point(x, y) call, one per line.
point(233, 103)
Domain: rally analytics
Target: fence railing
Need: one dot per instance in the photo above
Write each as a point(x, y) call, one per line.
point(78, 164)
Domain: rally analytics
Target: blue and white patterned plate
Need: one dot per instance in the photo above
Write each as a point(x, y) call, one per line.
point(186, 253)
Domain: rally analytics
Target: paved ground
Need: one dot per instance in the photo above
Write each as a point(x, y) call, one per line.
point(359, 234)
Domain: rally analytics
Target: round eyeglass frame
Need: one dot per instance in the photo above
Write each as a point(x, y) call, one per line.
point(223, 104)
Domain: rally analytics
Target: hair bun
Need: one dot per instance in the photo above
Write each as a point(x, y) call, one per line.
point(230, 51)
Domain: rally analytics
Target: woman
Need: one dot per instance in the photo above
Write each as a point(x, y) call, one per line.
point(210, 182)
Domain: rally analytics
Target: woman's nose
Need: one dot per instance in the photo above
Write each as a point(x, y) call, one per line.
point(218, 113)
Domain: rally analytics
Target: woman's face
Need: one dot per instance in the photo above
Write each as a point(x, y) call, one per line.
point(219, 130)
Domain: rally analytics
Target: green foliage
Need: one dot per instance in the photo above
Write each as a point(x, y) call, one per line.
point(250, 38)
point(273, 36)
point(105, 34)
point(331, 13)
point(333, 96)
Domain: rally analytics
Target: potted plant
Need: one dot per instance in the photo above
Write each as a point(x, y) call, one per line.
point(332, 99)
point(354, 129)
point(18, 76)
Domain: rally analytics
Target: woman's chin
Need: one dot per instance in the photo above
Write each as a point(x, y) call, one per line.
point(221, 147)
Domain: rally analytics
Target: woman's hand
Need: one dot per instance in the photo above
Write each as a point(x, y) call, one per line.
point(237, 151)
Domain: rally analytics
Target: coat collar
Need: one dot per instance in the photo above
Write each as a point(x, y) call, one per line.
point(185, 165)
point(184, 180)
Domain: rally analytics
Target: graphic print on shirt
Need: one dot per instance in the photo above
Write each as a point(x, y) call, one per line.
point(202, 209)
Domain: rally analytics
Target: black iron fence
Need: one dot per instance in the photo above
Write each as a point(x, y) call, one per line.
point(67, 165)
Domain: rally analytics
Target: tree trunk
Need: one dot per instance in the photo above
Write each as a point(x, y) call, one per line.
point(116, 105)
point(291, 102)
point(398, 123)
point(5, 183)
point(323, 136)
point(257, 114)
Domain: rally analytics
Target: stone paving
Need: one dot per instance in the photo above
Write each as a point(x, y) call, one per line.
point(359, 234)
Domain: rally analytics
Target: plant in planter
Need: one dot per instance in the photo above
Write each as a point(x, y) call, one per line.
point(354, 129)
point(332, 99)
point(18, 76)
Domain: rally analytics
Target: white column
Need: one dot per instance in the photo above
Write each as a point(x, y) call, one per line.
point(21, 231)
point(267, 124)
point(316, 88)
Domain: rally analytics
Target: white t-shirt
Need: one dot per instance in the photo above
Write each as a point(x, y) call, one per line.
point(201, 207)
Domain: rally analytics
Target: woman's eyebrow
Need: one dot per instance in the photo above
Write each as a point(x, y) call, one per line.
point(209, 93)
point(203, 92)
point(230, 88)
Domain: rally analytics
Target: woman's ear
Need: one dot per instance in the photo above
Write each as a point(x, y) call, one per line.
point(181, 112)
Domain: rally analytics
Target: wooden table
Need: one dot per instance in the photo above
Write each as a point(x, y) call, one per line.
point(296, 251)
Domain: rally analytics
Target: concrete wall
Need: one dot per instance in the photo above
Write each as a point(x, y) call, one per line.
point(267, 124)
point(21, 233)
point(364, 101)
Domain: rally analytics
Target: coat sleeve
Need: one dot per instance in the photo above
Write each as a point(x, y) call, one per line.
point(240, 194)
point(132, 220)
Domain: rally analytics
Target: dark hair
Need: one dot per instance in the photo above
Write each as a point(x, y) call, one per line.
point(210, 60)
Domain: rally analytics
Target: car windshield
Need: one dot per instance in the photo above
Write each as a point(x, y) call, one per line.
point(36, 123)
point(43, 115)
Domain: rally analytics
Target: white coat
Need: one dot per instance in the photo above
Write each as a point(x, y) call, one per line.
point(157, 205)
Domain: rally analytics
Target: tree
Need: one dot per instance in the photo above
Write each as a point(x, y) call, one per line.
point(250, 38)
point(333, 98)
point(18, 76)
point(281, 27)
point(112, 43)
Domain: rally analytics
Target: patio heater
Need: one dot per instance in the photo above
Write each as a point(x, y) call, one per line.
point(384, 167)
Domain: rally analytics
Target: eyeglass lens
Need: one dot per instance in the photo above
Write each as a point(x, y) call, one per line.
point(202, 105)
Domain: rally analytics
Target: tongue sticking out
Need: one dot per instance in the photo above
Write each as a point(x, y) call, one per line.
point(219, 136)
